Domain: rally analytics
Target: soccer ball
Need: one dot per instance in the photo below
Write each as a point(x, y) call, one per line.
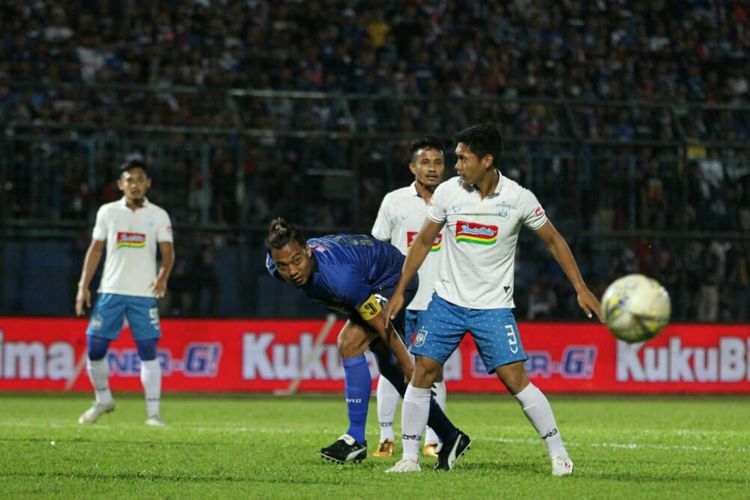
point(636, 308)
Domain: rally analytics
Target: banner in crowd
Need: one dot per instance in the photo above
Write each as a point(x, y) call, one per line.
point(267, 356)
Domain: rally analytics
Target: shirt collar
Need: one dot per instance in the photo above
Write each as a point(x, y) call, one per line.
point(124, 202)
point(498, 187)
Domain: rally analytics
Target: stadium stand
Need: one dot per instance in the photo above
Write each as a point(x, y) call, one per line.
point(630, 120)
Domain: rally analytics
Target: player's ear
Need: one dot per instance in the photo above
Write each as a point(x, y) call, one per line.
point(413, 168)
point(488, 160)
point(308, 251)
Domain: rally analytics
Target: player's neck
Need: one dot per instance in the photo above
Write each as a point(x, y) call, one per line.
point(134, 204)
point(487, 185)
point(424, 191)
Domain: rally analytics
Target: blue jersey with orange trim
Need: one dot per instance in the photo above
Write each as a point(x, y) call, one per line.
point(348, 269)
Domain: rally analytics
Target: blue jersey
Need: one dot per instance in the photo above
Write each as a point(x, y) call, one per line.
point(350, 268)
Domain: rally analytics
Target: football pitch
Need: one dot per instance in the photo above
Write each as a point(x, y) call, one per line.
point(266, 447)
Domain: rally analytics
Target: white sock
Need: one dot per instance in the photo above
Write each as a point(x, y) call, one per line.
point(438, 389)
point(539, 412)
point(99, 375)
point(388, 398)
point(414, 414)
point(151, 380)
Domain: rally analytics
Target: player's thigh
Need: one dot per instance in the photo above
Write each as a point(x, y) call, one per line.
point(354, 338)
point(107, 316)
point(495, 332)
point(143, 317)
point(440, 329)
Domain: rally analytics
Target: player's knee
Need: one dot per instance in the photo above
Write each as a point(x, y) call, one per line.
point(513, 377)
point(352, 344)
point(96, 347)
point(146, 349)
point(426, 372)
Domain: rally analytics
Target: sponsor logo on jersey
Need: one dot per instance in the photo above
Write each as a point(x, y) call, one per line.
point(539, 211)
point(437, 243)
point(131, 240)
point(473, 232)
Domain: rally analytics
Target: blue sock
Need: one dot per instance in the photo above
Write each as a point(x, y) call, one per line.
point(358, 386)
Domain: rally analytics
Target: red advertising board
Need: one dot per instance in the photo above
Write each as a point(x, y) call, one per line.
point(266, 355)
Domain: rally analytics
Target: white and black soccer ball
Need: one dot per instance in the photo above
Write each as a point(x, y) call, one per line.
point(636, 308)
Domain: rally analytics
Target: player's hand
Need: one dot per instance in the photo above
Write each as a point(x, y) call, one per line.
point(158, 287)
point(83, 298)
point(590, 304)
point(395, 303)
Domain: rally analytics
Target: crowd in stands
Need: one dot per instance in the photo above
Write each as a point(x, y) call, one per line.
point(620, 115)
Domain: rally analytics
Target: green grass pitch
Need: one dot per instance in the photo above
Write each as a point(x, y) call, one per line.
point(266, 447)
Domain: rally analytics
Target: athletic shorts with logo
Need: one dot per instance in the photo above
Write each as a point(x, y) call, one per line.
point(443, 325)
point(111, 309)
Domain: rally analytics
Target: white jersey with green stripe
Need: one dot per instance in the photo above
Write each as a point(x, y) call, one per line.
point(132, 238)
point(479, 240)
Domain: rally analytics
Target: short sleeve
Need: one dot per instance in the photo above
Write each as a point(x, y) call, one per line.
point(351, 287)
point(533, 215)
point(164, 231)
point(383, 226)
point(437, 210)
point(100, 227)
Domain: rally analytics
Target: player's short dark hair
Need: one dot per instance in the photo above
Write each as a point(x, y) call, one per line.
point(281, 233)
point(131, 164)
point(428, 142)
point(482, 140)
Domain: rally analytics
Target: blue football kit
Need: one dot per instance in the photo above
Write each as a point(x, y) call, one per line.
point(350, 271)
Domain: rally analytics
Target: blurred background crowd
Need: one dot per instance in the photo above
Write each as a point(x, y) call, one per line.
point(630, 120)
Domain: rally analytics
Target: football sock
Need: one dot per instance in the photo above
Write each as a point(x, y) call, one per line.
point(414, 415)
point(439, 393)
point(388, 398)
point(99, 375)
point(357, 389)
point(151, 380)
point(438, 421)
point(539, 412)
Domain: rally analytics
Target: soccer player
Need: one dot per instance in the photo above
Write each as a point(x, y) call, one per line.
point(353, 274)
point(131, 229)
point(400, 218)
point(482, 213)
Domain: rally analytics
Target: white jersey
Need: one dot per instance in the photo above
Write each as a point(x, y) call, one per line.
point(400, 217)
point(480, 237)
point(132, 237)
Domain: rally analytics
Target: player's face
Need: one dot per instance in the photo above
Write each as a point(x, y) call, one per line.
point(134, 184)
point(469, 166)
point(293, 262)
point(428, 167)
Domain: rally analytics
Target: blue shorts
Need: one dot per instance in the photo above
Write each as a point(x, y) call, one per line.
point(111, 309)
point(410, 325)
point(443, 325)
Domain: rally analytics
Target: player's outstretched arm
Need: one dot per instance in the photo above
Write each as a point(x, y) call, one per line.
point(560, 250)
point(90, 263)
point(417, 254)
